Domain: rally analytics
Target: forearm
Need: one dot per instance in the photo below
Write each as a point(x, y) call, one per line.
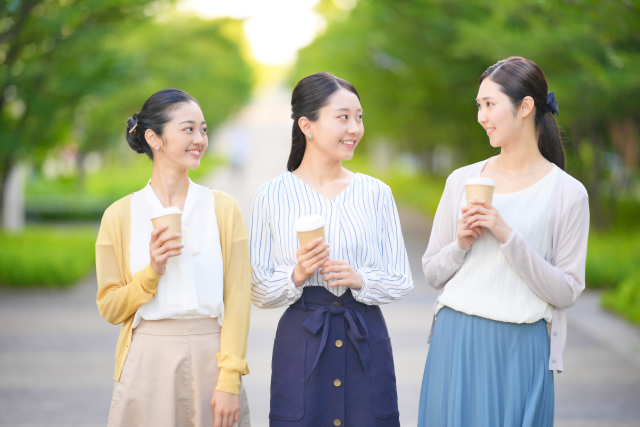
point(117, 302)
point(439, 266)
point(275, 290)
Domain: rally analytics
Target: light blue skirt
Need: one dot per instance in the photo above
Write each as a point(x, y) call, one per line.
point(482, 373)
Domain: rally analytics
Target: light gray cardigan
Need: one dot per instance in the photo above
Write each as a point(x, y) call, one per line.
point(558, 278)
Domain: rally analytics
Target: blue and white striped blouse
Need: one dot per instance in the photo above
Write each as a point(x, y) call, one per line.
point(362, 228)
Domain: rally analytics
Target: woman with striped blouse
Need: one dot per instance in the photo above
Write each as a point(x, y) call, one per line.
point(332, 359)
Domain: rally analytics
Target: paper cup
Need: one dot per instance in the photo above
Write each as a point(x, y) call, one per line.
point(171, 217)
point(479, 188)
point(309, 227)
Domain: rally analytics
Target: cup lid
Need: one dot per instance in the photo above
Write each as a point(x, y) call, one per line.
point(480, 181)
point(308, 223)
point(165, 211)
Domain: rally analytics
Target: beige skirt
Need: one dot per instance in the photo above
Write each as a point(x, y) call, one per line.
point(170, 375)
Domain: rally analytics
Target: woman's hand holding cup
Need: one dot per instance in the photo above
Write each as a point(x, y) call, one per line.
point(481, 213)
point(161, 248)
point(310, 258)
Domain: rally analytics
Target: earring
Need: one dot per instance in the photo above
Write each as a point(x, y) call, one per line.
point(157, 148)
point(310, 137)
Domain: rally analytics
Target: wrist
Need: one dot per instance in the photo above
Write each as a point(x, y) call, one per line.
point(297, 277)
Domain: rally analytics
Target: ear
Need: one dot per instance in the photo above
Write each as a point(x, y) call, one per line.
point(305, 126)
point(152, 139)
point(526, 106)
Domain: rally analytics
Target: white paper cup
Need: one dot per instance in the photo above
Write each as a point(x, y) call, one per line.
point(309, 227)
point(479, 188)
point(168, 216)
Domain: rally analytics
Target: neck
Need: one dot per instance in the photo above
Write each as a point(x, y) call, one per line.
point(318, 167)
point(522, 155)
point(169, 184)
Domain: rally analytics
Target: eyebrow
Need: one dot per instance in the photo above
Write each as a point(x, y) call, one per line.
point(485, 98)
point(191, 121)
point(346, 109)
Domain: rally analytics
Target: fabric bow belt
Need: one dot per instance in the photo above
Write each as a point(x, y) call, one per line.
point(356, 330)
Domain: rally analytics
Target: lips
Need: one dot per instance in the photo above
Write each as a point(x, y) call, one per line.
point(490, 130)
point(348, 142)
point(194, 152)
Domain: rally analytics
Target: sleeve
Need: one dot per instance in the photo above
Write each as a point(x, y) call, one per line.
point(392, 280)
point(443, 256)
point(237, 296)
point(562, 282)
point(117, 300)
point(271, 283)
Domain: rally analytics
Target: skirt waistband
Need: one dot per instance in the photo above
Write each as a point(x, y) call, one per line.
point(197, 326)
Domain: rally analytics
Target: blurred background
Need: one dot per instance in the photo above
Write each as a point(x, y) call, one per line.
point(72, 71)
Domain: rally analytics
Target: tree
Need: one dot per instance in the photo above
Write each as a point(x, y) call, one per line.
point(73, 71)
point(416, 64)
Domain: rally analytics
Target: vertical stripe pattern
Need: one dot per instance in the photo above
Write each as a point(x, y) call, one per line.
point(362, 228)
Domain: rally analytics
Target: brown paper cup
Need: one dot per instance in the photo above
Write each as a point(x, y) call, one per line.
point(174, 221)
point(307, 236)
point(475, 192)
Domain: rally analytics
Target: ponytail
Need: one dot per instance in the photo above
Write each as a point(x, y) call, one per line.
point(550, 140)
point(310, 94)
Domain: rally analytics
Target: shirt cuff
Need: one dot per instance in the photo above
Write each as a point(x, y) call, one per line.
point(359, 294)
point(149, 279)
point(229, 381)
point(510, 240)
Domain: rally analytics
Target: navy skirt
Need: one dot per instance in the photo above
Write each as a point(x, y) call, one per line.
point(332, 364)
point(481, 372)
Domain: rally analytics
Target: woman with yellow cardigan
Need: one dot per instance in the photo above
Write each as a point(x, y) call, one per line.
point(177, 362)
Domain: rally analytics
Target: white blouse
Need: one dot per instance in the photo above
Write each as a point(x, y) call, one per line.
point(487, 285)
point(192, 284)
point(362, 228)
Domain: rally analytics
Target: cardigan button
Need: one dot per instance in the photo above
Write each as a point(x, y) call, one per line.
point(337, 383)
point(555, 334)
point(338, 343)
point(337, 422)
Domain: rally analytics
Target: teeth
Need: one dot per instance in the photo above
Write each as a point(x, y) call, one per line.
point(347, 142)
point(193, 152)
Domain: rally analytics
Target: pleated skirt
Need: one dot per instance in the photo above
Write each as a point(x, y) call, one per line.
point(169, 376)
point(482, 372)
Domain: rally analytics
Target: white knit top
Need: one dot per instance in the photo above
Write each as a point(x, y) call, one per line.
point(487, 285)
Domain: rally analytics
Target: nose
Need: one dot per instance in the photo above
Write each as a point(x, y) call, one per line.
point(482, 117)
point(353, 127)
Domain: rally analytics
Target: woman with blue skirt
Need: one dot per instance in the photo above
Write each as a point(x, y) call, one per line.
point(332, 359)
point(508, 267)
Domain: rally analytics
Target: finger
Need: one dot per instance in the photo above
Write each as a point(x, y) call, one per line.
point(333, 268)
point(225, 419)
point(321, 256)
point(336, 276)
point(164, 257)
point(313, 252)
point(156, 232)
point(218, 419)
point(172, 236)
point(312, 244)
point(170, 247)
point(318, 264)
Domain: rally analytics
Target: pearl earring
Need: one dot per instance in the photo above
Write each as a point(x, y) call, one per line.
point(157, 148)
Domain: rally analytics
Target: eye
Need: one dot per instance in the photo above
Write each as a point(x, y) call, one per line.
point(478, 105)
point(344, 116)
point(489, 103)
point(190, 129)
point(204, 130)
point(360, 117)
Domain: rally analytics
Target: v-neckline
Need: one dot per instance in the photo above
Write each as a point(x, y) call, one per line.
point(188, 202)
point(339, 195)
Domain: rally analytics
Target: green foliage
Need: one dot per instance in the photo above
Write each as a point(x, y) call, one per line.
point(72, 71)
point(611, 258)
point(416, 65)
point(625, 299)
point(63, 199)
point(46, 256)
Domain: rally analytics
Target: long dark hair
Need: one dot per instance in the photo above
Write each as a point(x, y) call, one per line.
point(518, 78)
point(154, 115)
point(309, 95)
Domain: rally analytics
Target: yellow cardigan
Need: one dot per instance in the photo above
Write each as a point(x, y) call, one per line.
point(120, 294)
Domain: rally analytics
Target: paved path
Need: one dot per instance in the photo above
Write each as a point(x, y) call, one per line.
point(57, 353)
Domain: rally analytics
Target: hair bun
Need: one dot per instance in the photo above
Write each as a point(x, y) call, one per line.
point(133, 137)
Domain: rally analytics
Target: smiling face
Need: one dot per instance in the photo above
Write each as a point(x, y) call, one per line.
point(497, 114)
point(339, 127)
point(184, 138)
